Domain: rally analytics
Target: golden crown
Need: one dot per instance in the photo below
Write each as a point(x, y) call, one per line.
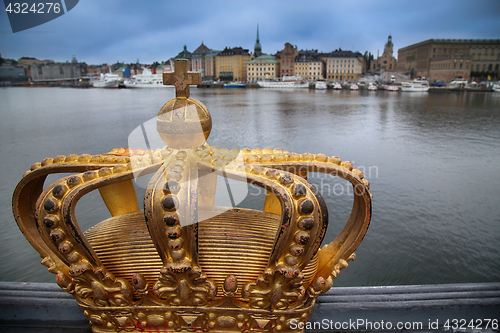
point(183, 264)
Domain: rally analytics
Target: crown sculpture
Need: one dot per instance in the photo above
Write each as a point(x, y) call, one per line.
point(183, 264)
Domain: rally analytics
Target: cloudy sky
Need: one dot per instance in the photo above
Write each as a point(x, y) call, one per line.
point(106, 31)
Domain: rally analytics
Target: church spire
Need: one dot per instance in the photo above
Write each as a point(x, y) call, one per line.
point(257, 50)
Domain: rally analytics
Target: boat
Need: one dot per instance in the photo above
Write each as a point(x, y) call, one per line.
point(372, 87)
point(458, 83)
point(496, 86)
point(337, 86)
point(145, 80)
point(234, 85)
point(107, 80)
point(416, 85)
point(354, 86)
point(391, 88)
point(320, 84)
point(288, 82)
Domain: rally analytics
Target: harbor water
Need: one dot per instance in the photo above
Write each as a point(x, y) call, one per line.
point(432, 159)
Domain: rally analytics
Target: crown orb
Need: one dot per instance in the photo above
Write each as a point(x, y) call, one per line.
point(184, 123)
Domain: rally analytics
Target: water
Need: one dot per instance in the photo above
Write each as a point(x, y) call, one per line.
point(432, 160)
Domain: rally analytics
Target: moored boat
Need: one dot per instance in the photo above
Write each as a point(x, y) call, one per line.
point(145, 80)
point(234, 85)
point(391, 88)
point(286, 82)
point(496, 86)
point(320, 84)
point(107, 80)
point(417, 85)
point(354, 87)
point(337, 86)
point(372, 87)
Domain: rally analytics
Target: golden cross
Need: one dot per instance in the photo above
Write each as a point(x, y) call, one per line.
point(181, 78)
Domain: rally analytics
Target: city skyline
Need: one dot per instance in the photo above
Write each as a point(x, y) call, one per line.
point(111, 31)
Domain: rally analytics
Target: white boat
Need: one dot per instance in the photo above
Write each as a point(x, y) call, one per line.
point(145, 80)
point(288, 82)
point(337, 86)
point(391, 88)
point(372, 87)
point(496, 86)
point(458, 83)
point(320, 84)
point(107, 80)
point(417, 85)
point(354, 87)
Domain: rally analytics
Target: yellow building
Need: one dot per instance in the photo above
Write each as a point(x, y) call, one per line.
point(231, 64)
point(309, 65)
point(344, 66)
point(263, 67)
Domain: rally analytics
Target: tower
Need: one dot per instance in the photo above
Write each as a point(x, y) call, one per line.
point(257, 48)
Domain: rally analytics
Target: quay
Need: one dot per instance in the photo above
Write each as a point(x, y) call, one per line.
point(44, 307)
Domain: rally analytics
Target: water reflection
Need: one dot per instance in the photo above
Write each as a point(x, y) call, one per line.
point(432, 160)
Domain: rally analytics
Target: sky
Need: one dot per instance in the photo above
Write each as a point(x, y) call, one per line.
point(107, 31)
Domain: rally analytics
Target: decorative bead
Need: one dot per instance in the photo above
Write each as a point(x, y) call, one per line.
point(257, 151)
point(367, 183)
point(252, 158)
point(89, 175)
point(279, 158)
point(50, 205)
point(334, 160)
point(50, 221)
point(307, 157)
point(59, 159)
point(291, 260)
point(358, 173)
point(176, 243)
point(177, 254)
point(347, 165)
point(174, 175)
point(59, 190)
point(36, 166)
point(302, 238)
point(171, 187)
point(181, 155)
point(104, 172)
point(321, 158)
point(265, 158)
point(272, 173)
point(286, 180)
point(85, 158)
point(169, 202)
point(294, 157)
point(267, 150)
point(306, 223)
point(65, 247)
point(299, 190)
point(257, 170)
point(170, 219)
point(306, 206)
point(246, 151)
point(119, 168)
point(219, 163)
point(56, 235)
point(296, 250)
point(71, 158)
point(73, 257)
point(47, 161)
point(73, 181)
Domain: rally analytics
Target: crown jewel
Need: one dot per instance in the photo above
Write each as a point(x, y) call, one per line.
point(183, 264)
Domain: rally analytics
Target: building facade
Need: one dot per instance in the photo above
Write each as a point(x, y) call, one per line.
point(231, 64)
point(55, 72)
point(309, 65)
point(287, 59)
point(265, 67)
point(344, 65)
point(210, 64)
point(387, 62)
point(446, 59)
point(198, 63)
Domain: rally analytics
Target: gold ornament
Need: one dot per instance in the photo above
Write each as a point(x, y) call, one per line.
point(183, 264)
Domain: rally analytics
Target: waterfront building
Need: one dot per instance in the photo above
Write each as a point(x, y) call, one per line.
point(387, 61)
point(309, 65)
point(344, 65)
point(231, 64)
point(264, 67)
point(12, 74)
point(198, 63)
point(185, 54)
point(26, 62)
point(257, 49)
point(287, 59)
point(210, 58)
point(56, 72)
point(446, 59)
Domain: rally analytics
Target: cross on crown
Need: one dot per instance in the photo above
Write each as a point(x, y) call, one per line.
point(181, 78)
